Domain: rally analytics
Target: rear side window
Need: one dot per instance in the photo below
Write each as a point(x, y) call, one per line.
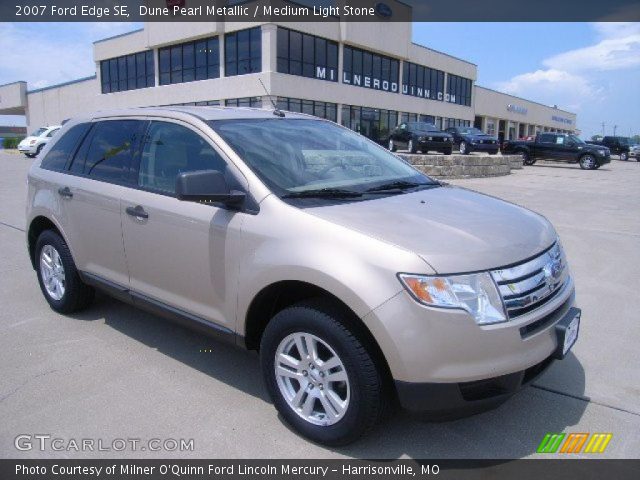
point(65, 147)
point(109, 153)
point(170, 149)
point(547, 138)
point(52, 132)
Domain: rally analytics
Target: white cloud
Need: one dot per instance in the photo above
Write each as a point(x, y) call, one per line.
point(618, 49)
point(552, 86)
point(569, 78)
point(46, 54)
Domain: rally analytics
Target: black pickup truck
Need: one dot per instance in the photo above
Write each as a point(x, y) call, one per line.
point(617, 145)
point(559, 147)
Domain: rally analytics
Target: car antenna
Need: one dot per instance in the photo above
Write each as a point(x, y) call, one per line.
point(276, 111)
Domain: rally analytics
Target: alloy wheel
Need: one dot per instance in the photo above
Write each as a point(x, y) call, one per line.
point(463, 147)
point(52, 271)
point(588, 162)
point(312, 378)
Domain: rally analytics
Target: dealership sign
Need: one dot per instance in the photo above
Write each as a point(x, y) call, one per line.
point(322, 72)
point(369, 82)
point(555, 118)
point(517, 109)
point(427, 93)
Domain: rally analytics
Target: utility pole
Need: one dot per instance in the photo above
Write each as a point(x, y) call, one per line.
point(603, 129)
point(615, 127)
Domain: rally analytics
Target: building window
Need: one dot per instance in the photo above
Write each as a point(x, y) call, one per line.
point(319, 109)
point(423, 82)
point(455, 122)
point(491, 127)
point(243, 52)
point(127, 72)
point(190, 61)
point(373, 123)
point(459, 90)
point(244, 102)
point(366, 69)
point(307, 55)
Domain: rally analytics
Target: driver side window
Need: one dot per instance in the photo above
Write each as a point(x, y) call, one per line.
point(170, 149)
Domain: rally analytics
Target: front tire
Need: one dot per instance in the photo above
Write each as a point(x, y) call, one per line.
point(588, 162)
point(320, 375)
point(526, 158)
point(392, 145)
point(464, 148)
point(411, 146)
point(39, 149)
point(624, 156)
point(58, 276)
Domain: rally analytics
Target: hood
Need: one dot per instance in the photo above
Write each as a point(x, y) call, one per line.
point(431, 133)
point(453, 229)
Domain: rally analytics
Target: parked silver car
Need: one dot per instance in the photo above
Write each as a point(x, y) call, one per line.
point(358, 278)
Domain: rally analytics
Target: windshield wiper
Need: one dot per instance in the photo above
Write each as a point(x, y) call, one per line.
point(323, 193)
point(399, 185)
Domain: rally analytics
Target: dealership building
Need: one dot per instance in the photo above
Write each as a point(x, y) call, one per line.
point(367, 76)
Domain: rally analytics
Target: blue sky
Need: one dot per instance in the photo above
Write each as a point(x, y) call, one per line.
point(592, 69)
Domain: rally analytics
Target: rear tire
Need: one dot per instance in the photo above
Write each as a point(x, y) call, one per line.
point(411, 146)
point(392, 145)
point(624, 156)
point(58, 276)
point(361, 397)
point(464, 148)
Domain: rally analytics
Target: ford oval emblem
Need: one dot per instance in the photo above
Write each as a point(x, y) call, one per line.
point(383, 10)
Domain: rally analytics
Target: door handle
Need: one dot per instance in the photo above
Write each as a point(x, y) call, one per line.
point(65, 192)
point(137, 212)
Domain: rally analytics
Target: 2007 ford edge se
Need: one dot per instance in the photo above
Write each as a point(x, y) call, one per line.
point(360, 281)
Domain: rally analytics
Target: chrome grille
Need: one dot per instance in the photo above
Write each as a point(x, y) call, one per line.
point(531, 284)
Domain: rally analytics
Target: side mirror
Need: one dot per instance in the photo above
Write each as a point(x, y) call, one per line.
point(206, 186)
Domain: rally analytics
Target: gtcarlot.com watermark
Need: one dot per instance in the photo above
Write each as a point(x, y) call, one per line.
point(48, 443)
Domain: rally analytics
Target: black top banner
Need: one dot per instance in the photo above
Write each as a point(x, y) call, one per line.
point(319, 10)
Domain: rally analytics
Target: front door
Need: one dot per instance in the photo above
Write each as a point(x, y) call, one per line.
point(176, 250)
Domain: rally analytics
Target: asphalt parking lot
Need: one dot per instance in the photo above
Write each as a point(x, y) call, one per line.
point(114, 372)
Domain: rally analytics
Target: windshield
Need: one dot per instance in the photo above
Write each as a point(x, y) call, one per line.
point(423, 127)
point(577, 140)
point(623, 140)
point(38, 132)
point(471, 131)
point(298, 155)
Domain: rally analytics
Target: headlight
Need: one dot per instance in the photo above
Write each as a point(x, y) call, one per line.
point(602, 152)
point(476, 293)
point(32, 142)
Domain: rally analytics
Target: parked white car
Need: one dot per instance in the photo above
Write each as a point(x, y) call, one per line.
point(34, 143)
point(634, 152)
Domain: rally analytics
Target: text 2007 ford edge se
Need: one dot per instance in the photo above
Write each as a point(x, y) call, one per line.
point(359, 279)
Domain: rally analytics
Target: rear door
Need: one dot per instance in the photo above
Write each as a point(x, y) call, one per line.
point(544, 146)
point(91, 194)
point(176, 250)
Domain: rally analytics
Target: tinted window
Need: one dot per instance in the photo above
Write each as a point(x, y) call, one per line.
point(243, 52)
point(65, 147)
point(547, 138)
point(110, 151)
point(128, 72)
point(190, 61)
point(366, 69)
point(171, 149)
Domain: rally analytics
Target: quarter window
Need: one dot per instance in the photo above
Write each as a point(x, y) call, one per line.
point(186, 62)
point(171, 149)
point(128, 72)
point(243, 52)
point(65, 147)
point(110, 151)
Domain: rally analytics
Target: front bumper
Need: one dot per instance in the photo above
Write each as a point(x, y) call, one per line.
point(442, 361)
point(483, 147)
point(603, 159)
point(26, 148)
point(436, 145)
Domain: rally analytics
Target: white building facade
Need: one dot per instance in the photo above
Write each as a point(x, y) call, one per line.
point(367, 76)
